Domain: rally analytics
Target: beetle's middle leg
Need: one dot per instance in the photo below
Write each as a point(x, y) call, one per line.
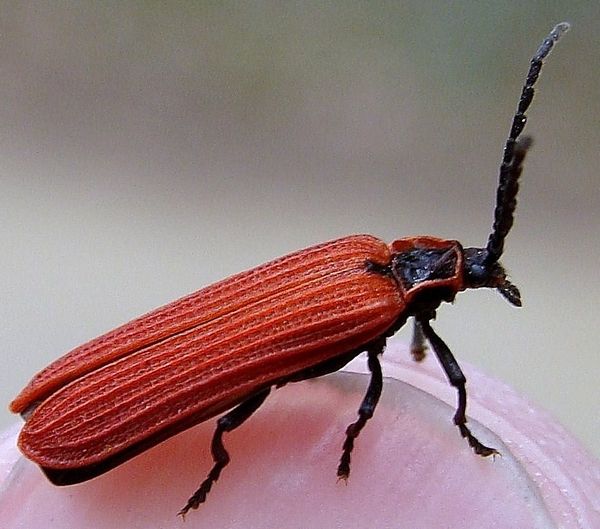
point(226, 423)
point(367, 407)
point(458, 380)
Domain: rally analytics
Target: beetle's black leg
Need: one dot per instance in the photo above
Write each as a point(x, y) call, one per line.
point(227, 423)
point(418, 347)
point(367, 408)
point(458, 380)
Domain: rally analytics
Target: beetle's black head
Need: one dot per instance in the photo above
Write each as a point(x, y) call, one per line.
point(481, 266)
point(478, 274)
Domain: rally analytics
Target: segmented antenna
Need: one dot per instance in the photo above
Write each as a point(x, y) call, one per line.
point(514, 153)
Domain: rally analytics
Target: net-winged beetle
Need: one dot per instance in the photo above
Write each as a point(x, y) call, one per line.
point(224, 347)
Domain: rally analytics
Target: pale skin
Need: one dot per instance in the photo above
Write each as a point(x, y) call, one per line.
point(410, 468)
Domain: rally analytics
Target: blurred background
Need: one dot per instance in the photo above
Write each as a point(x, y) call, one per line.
point(148, 149)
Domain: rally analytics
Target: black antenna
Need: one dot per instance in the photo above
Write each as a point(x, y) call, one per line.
point(514, 153)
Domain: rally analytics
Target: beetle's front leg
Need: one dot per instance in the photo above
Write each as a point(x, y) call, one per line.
point(367, 407)
point(227, 423)
point(458, 380)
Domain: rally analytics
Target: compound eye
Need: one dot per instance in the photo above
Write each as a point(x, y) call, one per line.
point(477, 273)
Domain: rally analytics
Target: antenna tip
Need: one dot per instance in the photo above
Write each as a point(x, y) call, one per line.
point(552, 38)
point(559, 29)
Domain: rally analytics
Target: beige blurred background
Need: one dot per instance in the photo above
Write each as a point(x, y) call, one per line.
point(147, 149)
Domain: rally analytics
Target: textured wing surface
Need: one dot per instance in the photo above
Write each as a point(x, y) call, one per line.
point(200, 355)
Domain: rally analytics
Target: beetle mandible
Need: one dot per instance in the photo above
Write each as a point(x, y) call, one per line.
point(224, 347)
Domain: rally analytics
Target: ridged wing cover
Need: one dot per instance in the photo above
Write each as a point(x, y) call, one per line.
point(198, 356)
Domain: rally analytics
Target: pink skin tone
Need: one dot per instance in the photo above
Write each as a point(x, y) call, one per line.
point(410, 468)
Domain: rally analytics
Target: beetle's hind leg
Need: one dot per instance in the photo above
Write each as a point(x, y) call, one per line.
point(367, 408)
point(227, 423)
point(458, 380)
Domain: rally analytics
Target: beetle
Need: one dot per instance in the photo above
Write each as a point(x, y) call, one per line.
point(224, 347)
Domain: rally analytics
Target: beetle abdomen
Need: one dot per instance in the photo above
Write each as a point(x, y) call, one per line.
point(200, 355)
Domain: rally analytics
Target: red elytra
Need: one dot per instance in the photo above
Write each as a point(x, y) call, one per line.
point(227, 345)
point(199, 356)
